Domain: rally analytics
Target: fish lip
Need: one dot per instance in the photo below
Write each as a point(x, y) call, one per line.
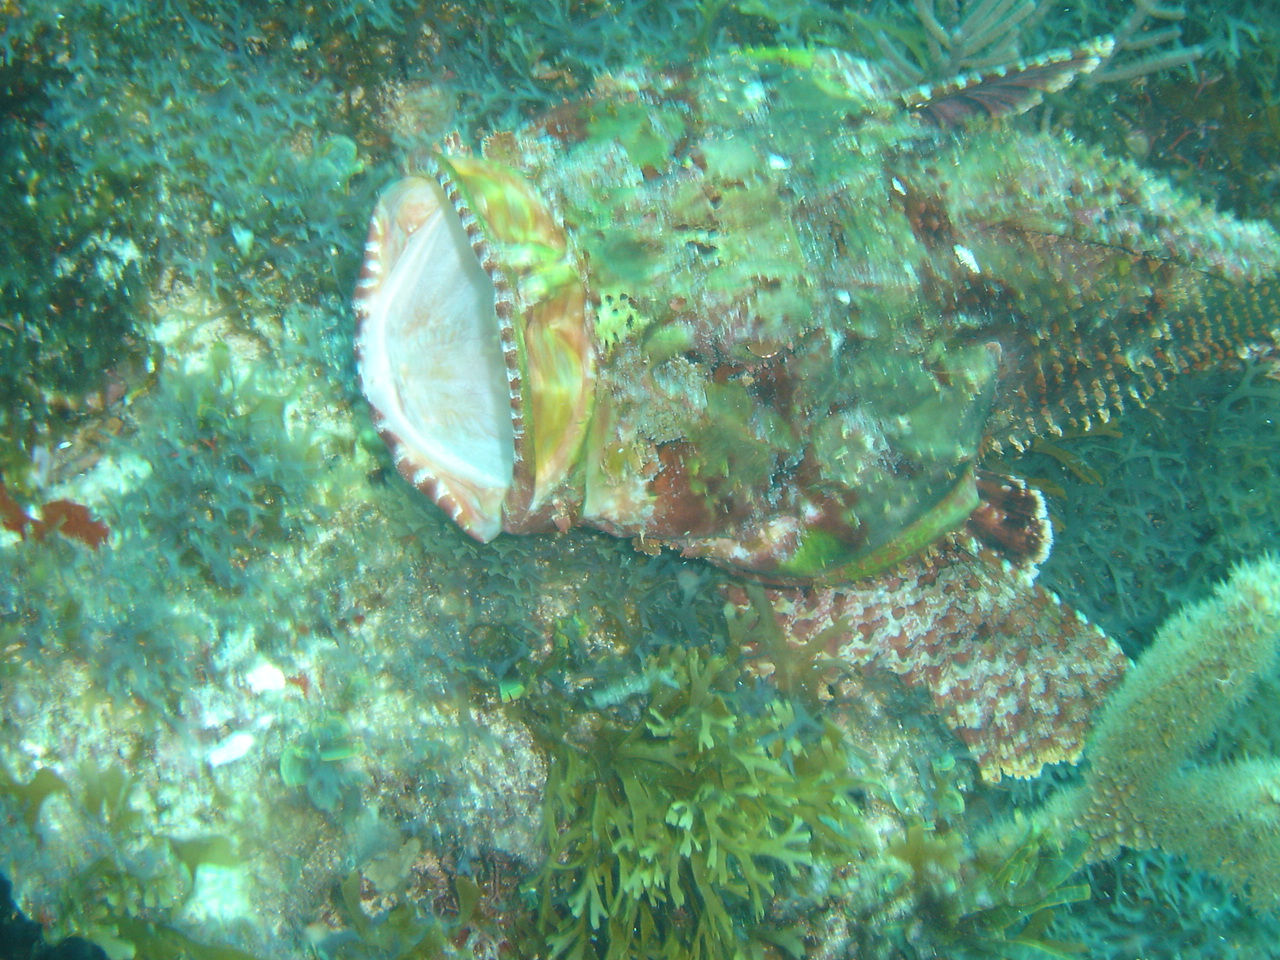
point(474, 346)
point(431, 357)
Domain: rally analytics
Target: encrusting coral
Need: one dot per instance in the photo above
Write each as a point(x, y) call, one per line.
point(1144, 787)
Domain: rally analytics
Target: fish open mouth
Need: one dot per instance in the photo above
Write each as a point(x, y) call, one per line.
point(431, 357)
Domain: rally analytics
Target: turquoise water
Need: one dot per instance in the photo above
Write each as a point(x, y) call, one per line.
point(257, 694)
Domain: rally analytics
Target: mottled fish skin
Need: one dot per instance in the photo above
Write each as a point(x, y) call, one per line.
point(770, 311)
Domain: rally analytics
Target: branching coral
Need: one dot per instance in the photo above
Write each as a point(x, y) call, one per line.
point(1145, 788)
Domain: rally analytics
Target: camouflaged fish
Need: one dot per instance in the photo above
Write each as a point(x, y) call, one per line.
point(770, 312)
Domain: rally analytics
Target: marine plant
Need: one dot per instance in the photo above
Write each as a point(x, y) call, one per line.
point(314, 761)
point(1008, 899)
point(1157, 522)
point(225, 164)
point(72, 520)
point(70, 276)
point(671, 836)
point(403, 931)
point(514, 55)
point(1153, 905)
point(937, 39)
point(98, 191)
point(988, 893)
point(29, 797)
point(36, 603)
point(803, 672)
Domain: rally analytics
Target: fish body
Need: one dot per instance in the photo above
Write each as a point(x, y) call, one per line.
point(770, 312)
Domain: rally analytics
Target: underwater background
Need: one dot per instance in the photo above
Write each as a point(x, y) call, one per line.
point(259, 697)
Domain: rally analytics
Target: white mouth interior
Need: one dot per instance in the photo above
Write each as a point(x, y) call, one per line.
point(434, 364)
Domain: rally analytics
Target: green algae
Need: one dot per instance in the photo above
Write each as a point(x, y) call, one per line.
point(31, 796)
point(228, 481)
point(128, 885)
point(671, 836)
point(1012, 901)
point(401, 932)
point(131, 172)
point(314, 761)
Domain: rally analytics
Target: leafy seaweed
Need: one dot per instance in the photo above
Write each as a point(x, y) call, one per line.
point(671, 837)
